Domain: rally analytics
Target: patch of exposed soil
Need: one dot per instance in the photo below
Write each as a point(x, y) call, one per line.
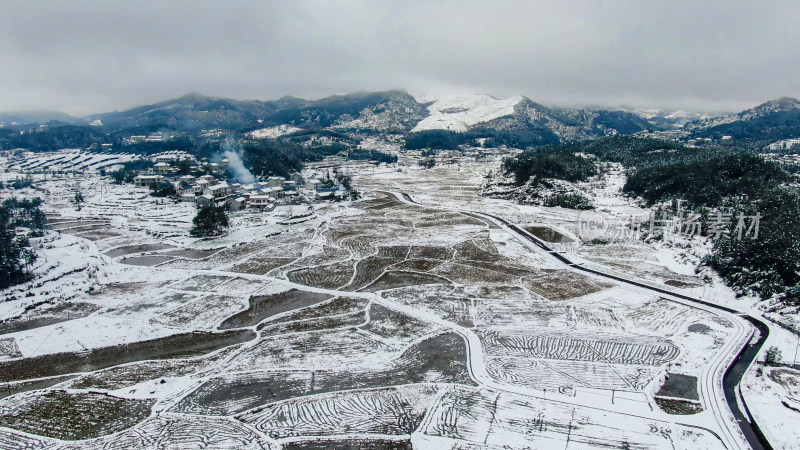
point(263, 306)
point(176, 346)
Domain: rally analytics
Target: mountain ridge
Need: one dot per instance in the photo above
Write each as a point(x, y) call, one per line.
point(772, 120)
point(519, 119)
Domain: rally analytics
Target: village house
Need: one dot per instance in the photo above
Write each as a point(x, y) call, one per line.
point(326, 194)
point(162, 168)
point(147, 179)
point(291, 196)
point(253, 186)
point(205, 200)
point(186, 189)
point(218, 191)
point(237, 203)
point(275, 181)
point(263, 202)
point(313, 183)
point(276, 192)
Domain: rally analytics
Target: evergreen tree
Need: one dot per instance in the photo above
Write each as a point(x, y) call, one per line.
point(210, 221)
point(78, 199)
point(163, 189)
point(18, 220)
point(773, 356)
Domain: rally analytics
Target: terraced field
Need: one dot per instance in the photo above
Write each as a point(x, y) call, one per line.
point(481, 417)
point(394, 411)
point(375, 324)
point(72, 417)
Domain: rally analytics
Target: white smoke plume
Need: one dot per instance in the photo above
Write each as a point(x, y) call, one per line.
point(233, 151)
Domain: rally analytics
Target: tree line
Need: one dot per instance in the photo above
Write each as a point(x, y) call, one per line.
point(20, 220)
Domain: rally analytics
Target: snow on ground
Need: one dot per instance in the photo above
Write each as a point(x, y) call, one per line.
point(371, 307)
point(273, 132)
point(89, 332)
point(69, 160)
point(656, 262)
point(458, 113)
point(773, 393)
point(381, 144)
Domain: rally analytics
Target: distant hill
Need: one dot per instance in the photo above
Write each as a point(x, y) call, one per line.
point(670, 119)
point(388, 111)
point(35, 117)
point(526, 122)
point(385, 111)
point(193, 112)
point(377, 111)
point(445, 122)
point(773, 120)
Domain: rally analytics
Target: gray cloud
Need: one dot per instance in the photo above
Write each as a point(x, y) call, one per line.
point(91, 56)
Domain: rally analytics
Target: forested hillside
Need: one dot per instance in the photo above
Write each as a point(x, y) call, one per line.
point(549, 162)
point(704, 178)
point(767, 264)
point(720, 184)
point(770, 121)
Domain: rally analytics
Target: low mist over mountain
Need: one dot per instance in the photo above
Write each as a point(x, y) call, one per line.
point(773, 120)
point(191, 112)
point(34, 117)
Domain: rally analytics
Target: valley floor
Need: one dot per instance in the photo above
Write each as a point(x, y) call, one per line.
point(381, 323)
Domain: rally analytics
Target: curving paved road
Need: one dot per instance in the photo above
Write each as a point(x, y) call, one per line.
point(734, 372)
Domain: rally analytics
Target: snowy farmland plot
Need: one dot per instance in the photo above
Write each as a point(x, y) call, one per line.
point(70, 160)
point(377, 323)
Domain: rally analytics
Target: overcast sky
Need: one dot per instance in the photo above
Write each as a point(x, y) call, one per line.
point(83, 57)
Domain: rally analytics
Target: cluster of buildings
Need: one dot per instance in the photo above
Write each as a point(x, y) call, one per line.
point(786, 144)
point(211, 190)
point(264, 195)
point(700, 141)
point(152, 137)
point(467, 154)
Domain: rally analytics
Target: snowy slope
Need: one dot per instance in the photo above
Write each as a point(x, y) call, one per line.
point(273, 132)
point(459, 112)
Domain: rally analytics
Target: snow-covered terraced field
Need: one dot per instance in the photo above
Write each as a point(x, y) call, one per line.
point(70, 160)
point(375, 322)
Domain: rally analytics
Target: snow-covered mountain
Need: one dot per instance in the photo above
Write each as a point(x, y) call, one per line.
point(460, 112)
point(665, 118)
point(514, 121)
point(522, 116)
point(383, 112)
point(392, 111)
point(560, 124)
